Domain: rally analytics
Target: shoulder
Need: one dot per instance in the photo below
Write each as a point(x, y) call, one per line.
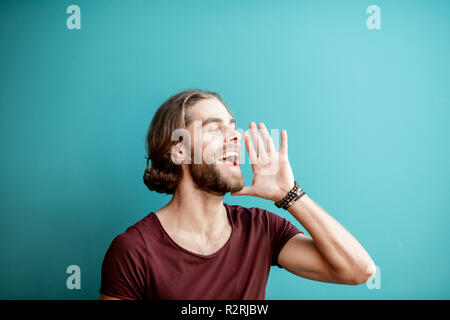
point(253, 215)
point(129, 242)
point(125, 266)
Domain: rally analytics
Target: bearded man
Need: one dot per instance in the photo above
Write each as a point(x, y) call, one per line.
point(198, 247)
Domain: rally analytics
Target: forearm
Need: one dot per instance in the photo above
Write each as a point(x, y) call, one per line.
point(339, 248)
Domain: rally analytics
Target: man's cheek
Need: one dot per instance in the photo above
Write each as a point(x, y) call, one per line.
point(211, 153)
point(212, 148)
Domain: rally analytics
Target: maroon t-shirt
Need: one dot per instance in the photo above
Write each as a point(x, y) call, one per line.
point(145, 263)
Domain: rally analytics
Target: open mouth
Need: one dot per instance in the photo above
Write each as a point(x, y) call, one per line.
point(230, 159)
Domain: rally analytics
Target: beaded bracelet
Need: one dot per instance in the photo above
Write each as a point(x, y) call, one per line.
point(293, 195)
point(301, 194)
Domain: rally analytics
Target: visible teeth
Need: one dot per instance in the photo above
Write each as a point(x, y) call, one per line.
point(230, 154)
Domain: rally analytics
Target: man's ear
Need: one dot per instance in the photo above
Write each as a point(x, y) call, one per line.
point(178, 153)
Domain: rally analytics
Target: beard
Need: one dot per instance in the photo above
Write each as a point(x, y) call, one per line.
point(210, 178)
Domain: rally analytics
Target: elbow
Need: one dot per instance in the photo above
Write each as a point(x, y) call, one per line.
point(368, 271)
point(362, 275)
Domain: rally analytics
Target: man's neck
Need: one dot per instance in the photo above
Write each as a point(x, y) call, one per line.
point(196, 211)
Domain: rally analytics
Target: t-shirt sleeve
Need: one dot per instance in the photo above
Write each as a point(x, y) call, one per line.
point(123, 269)
point(281, 230)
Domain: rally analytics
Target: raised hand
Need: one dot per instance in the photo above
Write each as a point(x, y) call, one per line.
point(272, 172)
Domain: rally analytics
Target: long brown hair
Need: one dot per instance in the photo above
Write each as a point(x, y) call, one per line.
point(163, 176)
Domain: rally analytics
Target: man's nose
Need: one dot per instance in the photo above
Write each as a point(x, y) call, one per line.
point(232, 135)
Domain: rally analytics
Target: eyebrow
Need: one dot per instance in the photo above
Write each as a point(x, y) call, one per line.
point(209, 120)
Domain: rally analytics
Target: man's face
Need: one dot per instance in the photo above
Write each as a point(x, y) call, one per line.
point(214, 141)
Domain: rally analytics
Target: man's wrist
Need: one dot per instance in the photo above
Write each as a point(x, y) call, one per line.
point(284, 191)
point(292, 196)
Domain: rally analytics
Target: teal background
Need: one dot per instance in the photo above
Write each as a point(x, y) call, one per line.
point(367, 114)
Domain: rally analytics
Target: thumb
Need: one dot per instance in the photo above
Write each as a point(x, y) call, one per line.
point(246, 191)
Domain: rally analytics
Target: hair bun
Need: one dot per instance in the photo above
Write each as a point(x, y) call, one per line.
point(161, 181)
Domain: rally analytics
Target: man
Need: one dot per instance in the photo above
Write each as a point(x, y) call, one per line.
point(197, 247)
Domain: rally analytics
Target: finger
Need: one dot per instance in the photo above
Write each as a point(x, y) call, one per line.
point(257, 139)
point(249, 146)
point(254, 134)
point(267, 138)
point(284, 143)
point(246, 191)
